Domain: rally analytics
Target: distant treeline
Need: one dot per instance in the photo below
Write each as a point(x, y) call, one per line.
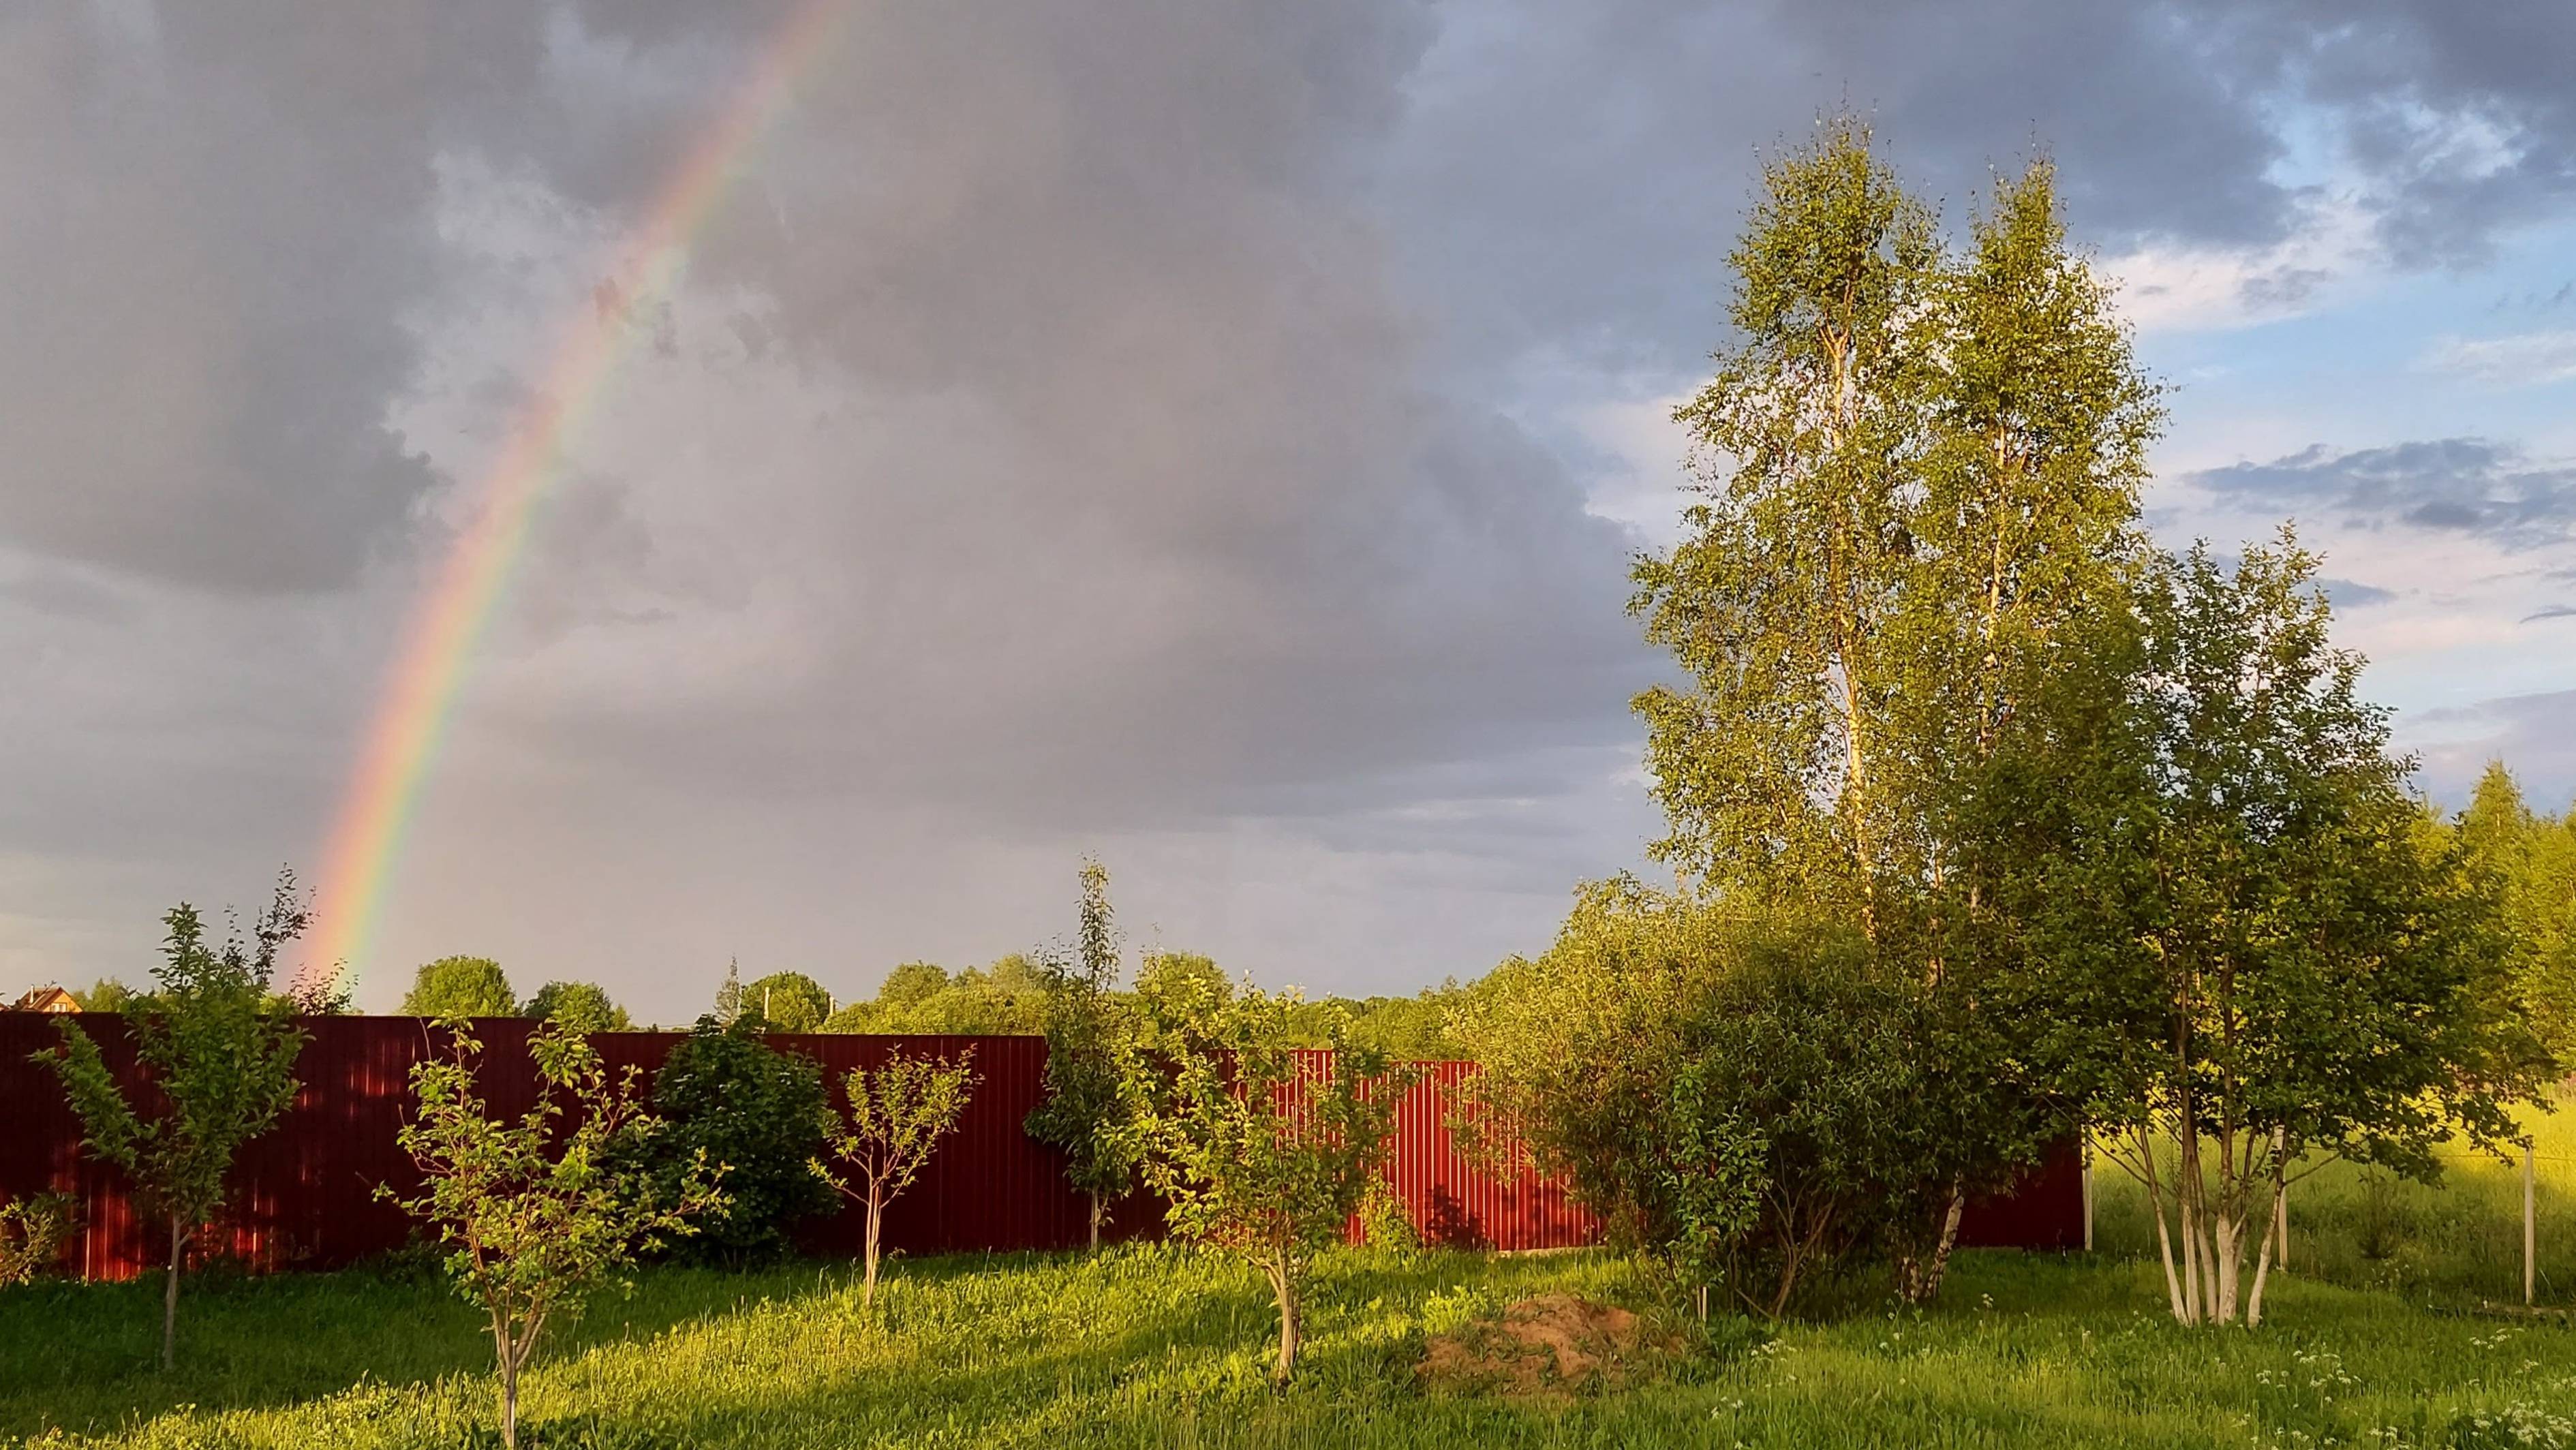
point(1007, 998)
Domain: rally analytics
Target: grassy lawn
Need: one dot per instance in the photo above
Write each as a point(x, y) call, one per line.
point(2376, 1340)
point(1149, 1347)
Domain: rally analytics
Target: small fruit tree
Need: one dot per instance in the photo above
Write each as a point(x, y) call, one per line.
point(1257, 1150)
point(897, 1115)
point(219, 1049)
point(535, 1214)
point(1085, 1114)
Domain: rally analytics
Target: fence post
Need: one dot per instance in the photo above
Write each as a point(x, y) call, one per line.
point(2528, 1238)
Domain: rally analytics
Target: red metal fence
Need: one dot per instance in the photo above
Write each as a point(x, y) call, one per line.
point(304, 1195)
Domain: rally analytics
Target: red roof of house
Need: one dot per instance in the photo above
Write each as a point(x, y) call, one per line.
point(47, 999)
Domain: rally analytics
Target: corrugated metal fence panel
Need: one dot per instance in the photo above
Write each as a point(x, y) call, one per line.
point(1452, 1203)
point(305, 1193)
point(2045, 1210)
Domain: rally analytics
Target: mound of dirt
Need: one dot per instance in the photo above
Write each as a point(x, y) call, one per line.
point(1551, 1347)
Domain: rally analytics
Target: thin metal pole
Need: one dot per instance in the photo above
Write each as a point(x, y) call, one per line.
point(2529, 1238)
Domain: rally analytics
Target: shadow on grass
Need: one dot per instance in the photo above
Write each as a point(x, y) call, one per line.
point(86, 1357)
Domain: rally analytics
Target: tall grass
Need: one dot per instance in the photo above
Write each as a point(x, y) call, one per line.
point(2456, 1241)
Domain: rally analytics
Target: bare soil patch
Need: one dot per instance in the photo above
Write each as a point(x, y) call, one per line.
point(1551, 1348)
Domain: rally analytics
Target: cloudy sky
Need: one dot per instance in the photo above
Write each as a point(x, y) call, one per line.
point(1208, 433)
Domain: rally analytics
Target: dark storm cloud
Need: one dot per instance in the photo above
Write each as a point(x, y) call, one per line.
point(2452, 485)
point(216, 231)
point(1574, 173)
point(1082, 418)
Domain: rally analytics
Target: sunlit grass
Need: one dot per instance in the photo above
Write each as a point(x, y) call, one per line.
point(2456, 1242)
point(1154, 1347)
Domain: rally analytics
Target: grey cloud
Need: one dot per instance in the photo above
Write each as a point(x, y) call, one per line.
point(1092, 423)
point(1153, 498)
point(2529, 733)
point(2554, 611)
point(2353, 594)
point(2455, 485)
point(1573, 174)
point(206, 310)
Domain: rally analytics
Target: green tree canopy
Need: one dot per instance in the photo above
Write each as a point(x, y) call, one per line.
point(460, 987)
point(2280, 968)
point(1919, 473)
point(1181, 977)
point(2526, 864)
point(583, 1007)
point(107, 994)
point(787, 1001)
point(911, 984)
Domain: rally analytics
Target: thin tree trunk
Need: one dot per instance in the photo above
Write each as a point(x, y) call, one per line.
point(2164, 1239)
point(170, 1297)
point(1949, 1239)
point(1286, 1293)
point(2227, 1243)
point(876, 1216)
point(2263, 1260)
point(1097, 1208)
point(505, 1346)
point(2188, 1212)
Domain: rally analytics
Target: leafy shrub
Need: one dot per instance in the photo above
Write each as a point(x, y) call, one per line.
point(764, 1115)
point(33, 1232)
point(1386, 1222)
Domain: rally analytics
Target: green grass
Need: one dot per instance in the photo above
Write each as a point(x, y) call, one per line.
point(1146, 1347)
point(2454, 1242)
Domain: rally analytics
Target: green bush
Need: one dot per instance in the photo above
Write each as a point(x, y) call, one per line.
point(33, 1231)
point(761, 1113)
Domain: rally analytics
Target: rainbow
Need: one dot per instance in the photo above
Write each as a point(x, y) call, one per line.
point(439, 639)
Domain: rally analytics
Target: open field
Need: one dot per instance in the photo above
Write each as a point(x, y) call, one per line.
point(1151, 1347)
point(2451, 1243)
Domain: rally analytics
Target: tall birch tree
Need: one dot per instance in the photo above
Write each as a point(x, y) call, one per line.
point(1919, 475)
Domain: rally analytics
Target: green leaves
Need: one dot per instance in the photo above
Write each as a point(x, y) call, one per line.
point(2279, 965)
point(218, 1051)
point(726, 1097)
point(1920, 468)
point(1255, 1149)
point(583, 1007)
point(460, 987)
point(895, 1115)
point(535, 1213)
point(1085, 1114)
